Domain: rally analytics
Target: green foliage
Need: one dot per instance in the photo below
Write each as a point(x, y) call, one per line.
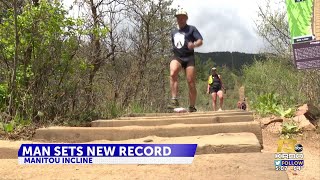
point(203, 99)
point(48, 21)
point(136, 108)
point(8, 128)
point(285, 113)
point(50, 18)
point(46, 45)
point(203, 68)
point(289, 129)
point(80, 119)
point(270, 104)
point(17, 122)
point(266, 104)
point(3, 95)
point(228, 77)
point(277, 76)
point(274, 87)
point(112, 110)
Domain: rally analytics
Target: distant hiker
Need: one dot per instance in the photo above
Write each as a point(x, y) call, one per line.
point(184, 39)
point(215, 87)
point(242, 104)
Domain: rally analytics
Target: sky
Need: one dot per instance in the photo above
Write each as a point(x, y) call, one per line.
point(226, 25)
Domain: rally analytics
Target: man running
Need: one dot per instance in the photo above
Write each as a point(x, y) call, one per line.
point(184, 39)
point(215, 87)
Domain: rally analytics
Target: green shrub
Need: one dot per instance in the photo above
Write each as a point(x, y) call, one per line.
point(8, 127)
point(269, 104)
point(112, 110)
point(274, 82)
point(289, 129)
point(17, 122)
point(266, 104)
point(135, 107)
point(285, 113)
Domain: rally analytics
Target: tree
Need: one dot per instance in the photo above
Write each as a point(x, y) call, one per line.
point(12, 89)
point(272, 26)
point(34, 45)
point(151, 24)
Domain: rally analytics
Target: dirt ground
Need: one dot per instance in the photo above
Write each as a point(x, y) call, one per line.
point(250, 166)
point(311, 150)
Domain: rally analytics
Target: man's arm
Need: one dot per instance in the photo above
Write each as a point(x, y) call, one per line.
point(199, 40)
point(198, 37)
point(198, 43)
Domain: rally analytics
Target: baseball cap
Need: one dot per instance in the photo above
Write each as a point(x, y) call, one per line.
point(214, 68)
point(181, 12)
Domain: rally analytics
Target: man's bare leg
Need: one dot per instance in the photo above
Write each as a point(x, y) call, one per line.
point(175, 67)
point(191, 78)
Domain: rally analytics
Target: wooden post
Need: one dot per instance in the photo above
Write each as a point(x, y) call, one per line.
point(316, 19)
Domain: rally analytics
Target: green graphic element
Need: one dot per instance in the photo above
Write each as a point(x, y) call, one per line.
point(300, 18)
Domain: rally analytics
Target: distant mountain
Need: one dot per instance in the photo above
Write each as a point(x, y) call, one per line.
point(234, 60)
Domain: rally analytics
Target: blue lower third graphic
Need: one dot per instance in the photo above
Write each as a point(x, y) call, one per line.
point(106, 153)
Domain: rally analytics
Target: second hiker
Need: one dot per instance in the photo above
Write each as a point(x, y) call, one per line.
point(215, 87)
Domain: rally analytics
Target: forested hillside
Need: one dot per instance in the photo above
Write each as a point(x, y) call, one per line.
point(233, 60)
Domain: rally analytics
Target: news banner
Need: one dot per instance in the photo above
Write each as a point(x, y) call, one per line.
point(106, 153)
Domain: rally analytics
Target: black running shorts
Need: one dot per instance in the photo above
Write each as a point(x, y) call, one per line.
point(214, 89)
point(185, 61)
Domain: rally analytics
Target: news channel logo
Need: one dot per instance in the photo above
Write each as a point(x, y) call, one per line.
point(289, 146)
point(289, 153)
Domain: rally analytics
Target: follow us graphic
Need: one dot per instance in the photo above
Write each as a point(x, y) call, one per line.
point(282, 165)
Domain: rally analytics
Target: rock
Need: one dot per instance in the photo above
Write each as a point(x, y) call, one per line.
point(148, 140)
point(266, 121)
point(304, 123)
point(311, 112)
point(180, 110)
point(242, 105)
point(2, 134)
